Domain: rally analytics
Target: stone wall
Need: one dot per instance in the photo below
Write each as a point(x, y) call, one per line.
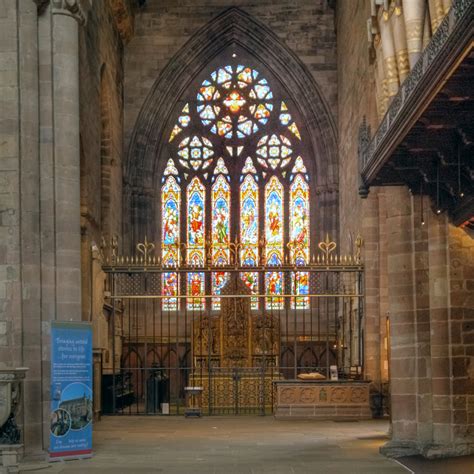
point(101, 91)
point(356, 100)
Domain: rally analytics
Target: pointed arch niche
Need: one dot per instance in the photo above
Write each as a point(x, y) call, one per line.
point(232, 38)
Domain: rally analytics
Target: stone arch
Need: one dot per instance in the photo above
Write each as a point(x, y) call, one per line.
point(233, 26)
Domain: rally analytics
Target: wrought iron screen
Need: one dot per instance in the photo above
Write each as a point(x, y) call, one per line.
point(235, 344)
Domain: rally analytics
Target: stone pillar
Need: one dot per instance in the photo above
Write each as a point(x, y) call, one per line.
point(421, 268)
point(66, 16)
point(30, 221)
point(403, 341)
point(440, 333)
point(59, 178)
point(370, 231)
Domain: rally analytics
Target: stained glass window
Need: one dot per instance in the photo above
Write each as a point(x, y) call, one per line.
point(170, 212)
point(274, 241)
point(235, 150)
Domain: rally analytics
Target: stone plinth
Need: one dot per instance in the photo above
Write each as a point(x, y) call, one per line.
point(9, 455)
point(322, 399)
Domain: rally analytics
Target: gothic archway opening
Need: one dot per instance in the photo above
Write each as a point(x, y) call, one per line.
point(227, 178)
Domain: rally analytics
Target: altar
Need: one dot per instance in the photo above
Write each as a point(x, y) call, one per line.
point(322, 399)
point(236, 355)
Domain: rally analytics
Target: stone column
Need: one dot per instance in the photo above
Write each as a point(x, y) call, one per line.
point(30, 221)
point(421, 268)
point(66, 16)
point(440, 311)
point(59, 178)
point(403, 341)
point(370, 231)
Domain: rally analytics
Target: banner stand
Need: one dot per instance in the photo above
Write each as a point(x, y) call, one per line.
point(71, 391)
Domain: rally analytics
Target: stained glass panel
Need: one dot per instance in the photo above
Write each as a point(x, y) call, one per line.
point(274, 240)
point(219, 279)
point(195, 235)
point(285, 119)
point(195, 151)
point(274, 150)
point(249, 228)
point(196, 286)
point(299, 236)
point(170, 212)
point(220, 233)
point(183, 121)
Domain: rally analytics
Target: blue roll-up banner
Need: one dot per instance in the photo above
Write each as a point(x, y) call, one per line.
point(71, 390)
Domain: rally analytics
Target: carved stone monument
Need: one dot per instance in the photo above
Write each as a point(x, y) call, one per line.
point(11, 381)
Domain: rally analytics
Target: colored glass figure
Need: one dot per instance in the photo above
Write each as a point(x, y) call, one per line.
point(196, 290)
point(300, 287)
point(196, 227)
point(233, 101)
point(249, 229)
point(274, 288)
point(220, 233)
point(274, 217)
point(299, 218)
point(220, 218)
point(169, 281)
point(219, 279)
point(274, 240)
point(170, 212)
point(299, 236)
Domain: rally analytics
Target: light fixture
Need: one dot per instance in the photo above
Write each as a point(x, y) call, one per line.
point(461, 194)
point(421, 204)
point(438, 208)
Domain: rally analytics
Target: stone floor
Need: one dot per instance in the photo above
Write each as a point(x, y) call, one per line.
point(232, 445)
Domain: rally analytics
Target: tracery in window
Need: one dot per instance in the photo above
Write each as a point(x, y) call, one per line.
point(235, 159)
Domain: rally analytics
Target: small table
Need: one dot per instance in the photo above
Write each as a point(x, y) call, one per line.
point(193, 401)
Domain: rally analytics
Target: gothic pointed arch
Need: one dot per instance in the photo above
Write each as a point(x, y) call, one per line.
point(233, 27)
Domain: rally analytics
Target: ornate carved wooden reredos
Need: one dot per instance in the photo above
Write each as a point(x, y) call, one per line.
point(236, 337)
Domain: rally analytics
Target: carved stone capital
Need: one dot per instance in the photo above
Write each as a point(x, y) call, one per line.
point(41, 5)
point(77, 9)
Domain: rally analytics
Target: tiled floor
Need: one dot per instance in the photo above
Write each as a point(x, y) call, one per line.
point(233, 445)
